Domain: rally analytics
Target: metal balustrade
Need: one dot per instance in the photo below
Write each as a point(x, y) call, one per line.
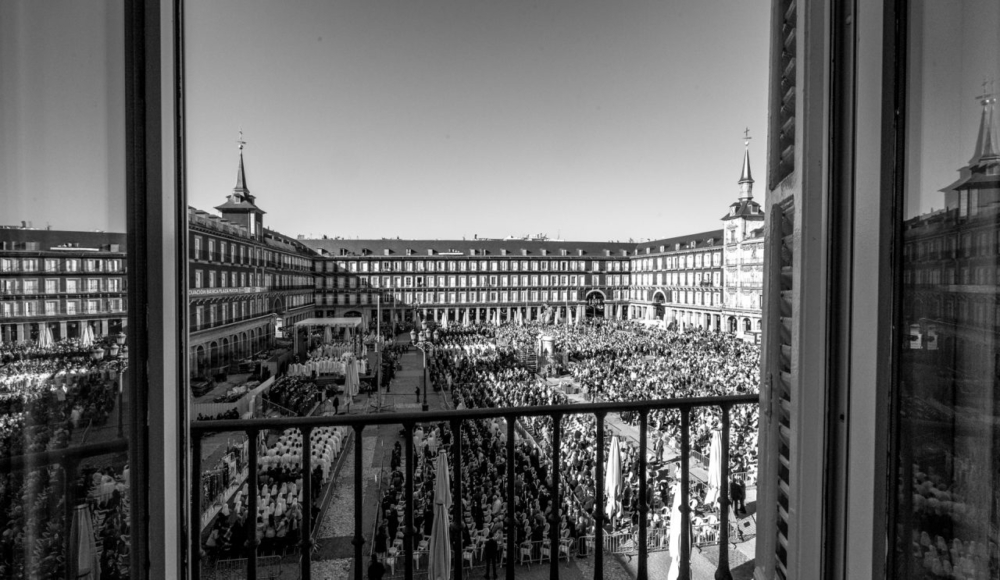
point(70, 459)
point(640, 541)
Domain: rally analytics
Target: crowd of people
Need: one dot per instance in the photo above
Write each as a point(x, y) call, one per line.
point(611, 361)
point(47, 392)
point(297, 395)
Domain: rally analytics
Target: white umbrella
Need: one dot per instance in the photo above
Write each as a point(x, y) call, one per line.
point(83, 560)
point(45, 339)
point(674, 537)
point(439, 549)
point(613, 479)
point(714, 469)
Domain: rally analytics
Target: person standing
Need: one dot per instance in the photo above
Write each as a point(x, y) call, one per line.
point(375, 570)
point(491, 555)
point(336, 405)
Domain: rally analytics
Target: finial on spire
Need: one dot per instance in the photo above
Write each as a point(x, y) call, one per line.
point(746, 136)
point(240, 142)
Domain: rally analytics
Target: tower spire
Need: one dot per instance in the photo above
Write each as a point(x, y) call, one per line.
point(746, 179)
point(241, 178)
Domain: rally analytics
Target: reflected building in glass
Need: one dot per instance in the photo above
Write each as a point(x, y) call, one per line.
point(949, 370)
point(56, 285)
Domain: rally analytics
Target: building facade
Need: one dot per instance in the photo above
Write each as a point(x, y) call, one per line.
point(744, 259)
point(64, 281)
point(475, 281)
point(680, 281)
point(245, 282)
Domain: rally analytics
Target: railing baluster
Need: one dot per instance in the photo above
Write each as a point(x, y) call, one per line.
point(685, 563)
point(556, 412)
point(196, 502)
point(511, 535)
point(456, 501)
point(723, 572)
point(69, 477)
point(599, 516)
point(554, 518)
point(643, 494)
point(305, 544)
point(408, 535)
point(251, 523)
point(359, 538)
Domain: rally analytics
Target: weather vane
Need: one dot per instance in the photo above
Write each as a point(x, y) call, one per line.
point(988, 95)
point(746, 136)
point(240, 141)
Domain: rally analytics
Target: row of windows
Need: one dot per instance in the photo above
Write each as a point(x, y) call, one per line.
point(214, 250)
point(214, 314)
point(680, 279)
point(58, 286)
point(681, 262)
point(58, 307)
point(427, 298)
point(969, 244)
point(220, 279)
point(982, 276)
point(61, 265)
point(474, 266)
point(466, 281)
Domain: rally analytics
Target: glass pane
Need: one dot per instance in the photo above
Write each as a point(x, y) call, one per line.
point(949, 519)
point(63, 284)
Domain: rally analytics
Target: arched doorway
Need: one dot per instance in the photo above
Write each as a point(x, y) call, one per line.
point(595, 304)
point(659, 298)
point(732, 324)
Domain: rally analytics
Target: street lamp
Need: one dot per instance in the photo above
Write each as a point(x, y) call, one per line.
point(424, 346)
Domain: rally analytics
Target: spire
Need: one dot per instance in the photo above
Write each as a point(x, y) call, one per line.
point(241, 178)
point(746, 180)
point(985, 148)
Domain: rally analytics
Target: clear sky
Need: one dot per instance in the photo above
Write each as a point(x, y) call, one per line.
point(583, 119)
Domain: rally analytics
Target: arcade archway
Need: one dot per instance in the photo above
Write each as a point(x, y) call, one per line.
point(595, 304)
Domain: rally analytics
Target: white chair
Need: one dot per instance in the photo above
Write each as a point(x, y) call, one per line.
point(546, 553)
point(565, 546)
point(526, 554)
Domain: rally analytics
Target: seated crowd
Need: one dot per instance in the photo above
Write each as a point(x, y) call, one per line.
point(46, 393)
point(616, 361)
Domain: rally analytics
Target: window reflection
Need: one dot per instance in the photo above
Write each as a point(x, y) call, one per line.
point(63, 282)
point(949, 355)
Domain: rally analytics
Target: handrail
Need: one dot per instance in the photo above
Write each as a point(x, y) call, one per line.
point(202, 427)
point(454, 418)
point(76, 452)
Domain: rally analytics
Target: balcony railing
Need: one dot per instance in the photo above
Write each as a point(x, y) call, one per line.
point(409, 421)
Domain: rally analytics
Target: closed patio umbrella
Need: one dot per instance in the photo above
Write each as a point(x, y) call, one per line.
point(83, 560)
point(674, 535)
point(714, 469)
point(613, 480)
point(439, 549)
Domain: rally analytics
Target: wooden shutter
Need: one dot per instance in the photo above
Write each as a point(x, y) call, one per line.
point(784, 121)
point(780, 305)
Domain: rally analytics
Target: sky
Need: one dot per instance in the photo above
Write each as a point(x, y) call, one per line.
point(579, 119)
